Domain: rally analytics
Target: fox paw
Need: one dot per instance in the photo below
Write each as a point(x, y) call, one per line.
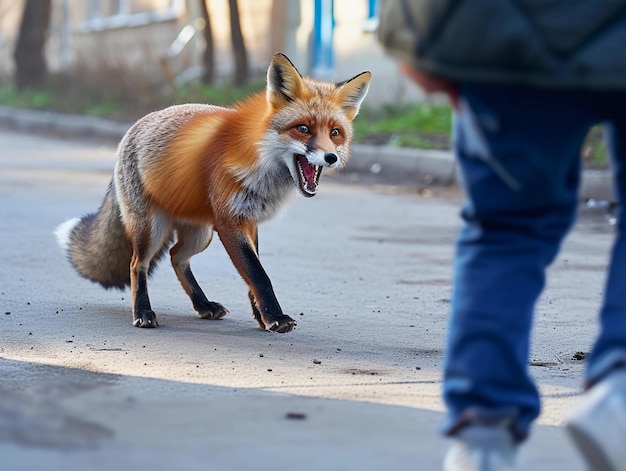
point(145, 319)
point(281, 324)
point(212, 311)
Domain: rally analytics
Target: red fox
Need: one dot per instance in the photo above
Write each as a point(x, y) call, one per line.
point(188, 170)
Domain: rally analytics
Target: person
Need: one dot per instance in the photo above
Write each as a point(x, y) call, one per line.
point(527, 80)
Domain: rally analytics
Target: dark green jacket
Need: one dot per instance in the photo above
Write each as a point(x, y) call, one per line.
point(561, 43)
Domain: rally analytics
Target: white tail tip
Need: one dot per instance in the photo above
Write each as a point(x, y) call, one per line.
point(63, 232)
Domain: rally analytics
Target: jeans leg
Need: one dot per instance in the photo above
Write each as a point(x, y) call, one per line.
point(518, 152)
point(609, 350)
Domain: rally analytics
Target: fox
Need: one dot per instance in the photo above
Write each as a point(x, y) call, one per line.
point(187, 171)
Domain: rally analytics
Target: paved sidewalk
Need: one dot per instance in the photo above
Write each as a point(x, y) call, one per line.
point(364, 269)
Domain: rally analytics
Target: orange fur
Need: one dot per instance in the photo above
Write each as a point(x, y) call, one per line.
point(195, 173)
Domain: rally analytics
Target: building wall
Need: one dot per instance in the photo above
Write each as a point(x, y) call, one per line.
point(134, 42)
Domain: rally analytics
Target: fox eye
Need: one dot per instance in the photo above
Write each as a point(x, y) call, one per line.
point(335, 132)
point(303, 128)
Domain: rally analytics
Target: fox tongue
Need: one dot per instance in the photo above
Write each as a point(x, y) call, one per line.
point(308, 175)
point(308, 171)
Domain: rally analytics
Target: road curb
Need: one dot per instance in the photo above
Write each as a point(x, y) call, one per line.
point(419, 167)
point(382, 164)
point(61, 123)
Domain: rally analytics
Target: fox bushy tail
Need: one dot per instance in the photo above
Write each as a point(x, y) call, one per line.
point(97, 244)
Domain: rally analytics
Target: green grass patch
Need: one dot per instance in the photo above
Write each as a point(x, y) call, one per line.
point(28, 98)
point(425, 125)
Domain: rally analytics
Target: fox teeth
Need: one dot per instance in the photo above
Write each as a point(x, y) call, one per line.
point(308, 183)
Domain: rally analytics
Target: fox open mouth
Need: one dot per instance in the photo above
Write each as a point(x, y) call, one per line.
point(308, 175)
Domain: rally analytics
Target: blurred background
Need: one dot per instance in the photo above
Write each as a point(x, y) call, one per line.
point(121, 59)
point(146, 50)
point(162, 40)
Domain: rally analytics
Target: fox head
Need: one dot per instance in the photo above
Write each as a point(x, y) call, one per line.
point(311, 121)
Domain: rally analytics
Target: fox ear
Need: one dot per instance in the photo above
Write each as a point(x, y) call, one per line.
point(284, 82)
point(351, 93)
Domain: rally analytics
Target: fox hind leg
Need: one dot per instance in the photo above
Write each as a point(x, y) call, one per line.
point(193, 240)
point(148, 244)
point(143, 315)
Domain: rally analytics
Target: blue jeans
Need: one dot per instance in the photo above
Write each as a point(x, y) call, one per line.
point(518, 149)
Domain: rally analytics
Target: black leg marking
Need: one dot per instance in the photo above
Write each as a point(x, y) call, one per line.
point(143, 316)
point(255, 311)
point(247, 262)
point(269, 310)
point(206, 309)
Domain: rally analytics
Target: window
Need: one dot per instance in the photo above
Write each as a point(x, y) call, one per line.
point(111, 14)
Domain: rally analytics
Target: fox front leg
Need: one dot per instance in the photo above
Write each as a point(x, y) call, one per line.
point(254, 235)
point(265, 307)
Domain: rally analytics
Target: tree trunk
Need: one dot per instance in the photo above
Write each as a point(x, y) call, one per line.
point(30, 62)
point(239, 46)
point(208, 56)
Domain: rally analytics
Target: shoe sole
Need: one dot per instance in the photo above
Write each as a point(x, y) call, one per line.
point(593, 454)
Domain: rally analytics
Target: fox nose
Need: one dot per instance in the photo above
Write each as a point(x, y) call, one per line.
point(330, 158)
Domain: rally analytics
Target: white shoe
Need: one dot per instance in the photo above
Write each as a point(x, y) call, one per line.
point(598, 424)
point(481, 448)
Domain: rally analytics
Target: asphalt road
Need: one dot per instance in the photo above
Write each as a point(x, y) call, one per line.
point(365, 271)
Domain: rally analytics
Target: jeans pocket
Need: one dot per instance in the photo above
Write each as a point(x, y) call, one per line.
point(470, 138)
